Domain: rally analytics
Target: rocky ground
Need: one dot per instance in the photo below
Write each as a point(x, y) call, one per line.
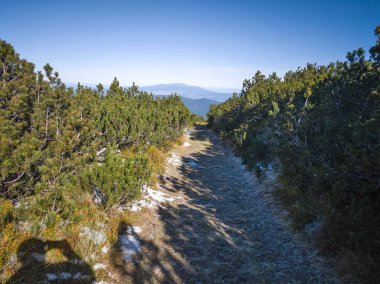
point(218, 224)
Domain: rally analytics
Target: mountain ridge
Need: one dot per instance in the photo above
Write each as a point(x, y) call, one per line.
point(181, 89)
point(189, 91)
point(196, 99)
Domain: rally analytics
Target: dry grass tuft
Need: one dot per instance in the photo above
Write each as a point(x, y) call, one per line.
point(157, 159)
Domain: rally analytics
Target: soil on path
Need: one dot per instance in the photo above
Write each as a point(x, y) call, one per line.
point(223, 226)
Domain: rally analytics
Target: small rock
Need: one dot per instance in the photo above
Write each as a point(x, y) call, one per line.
point(104, 249)
point(98, 266)
point(96, 237)
point(174, 160)
point(134, 229)
point(51, 277)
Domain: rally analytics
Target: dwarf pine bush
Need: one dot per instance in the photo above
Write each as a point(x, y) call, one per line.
point(323, 124)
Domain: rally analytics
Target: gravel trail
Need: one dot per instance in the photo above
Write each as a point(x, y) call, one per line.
point(223, 227)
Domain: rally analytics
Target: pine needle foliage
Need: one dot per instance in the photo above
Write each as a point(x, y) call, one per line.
point(323, 124)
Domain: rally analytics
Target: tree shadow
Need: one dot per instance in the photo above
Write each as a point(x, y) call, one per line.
point(201, 244)
point(154, 263)
point(210, 230)
point(36, 269)
point(215, 236)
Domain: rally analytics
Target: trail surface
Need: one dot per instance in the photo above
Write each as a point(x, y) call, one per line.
point(222, 227)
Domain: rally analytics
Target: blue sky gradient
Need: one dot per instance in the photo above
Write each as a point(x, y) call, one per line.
point(206, 43)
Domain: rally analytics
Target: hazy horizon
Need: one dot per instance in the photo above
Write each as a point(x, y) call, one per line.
point(208, 88)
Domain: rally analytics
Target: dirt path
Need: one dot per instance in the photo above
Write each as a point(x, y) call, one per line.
point(222, 228)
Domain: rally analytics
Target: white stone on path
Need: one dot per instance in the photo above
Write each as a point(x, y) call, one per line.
point(134, 229)
point(104, 249)
point(174, 160)
point(98, 266)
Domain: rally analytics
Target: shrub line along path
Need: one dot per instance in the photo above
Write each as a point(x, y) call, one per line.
point(222, 227)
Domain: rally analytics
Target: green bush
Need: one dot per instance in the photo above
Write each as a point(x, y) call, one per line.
point(323, 124)
point(118, 178)
point(51, 139)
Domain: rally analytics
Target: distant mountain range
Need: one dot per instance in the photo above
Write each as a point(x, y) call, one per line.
point(198, 106)
point(192, 92)
point(197, 99)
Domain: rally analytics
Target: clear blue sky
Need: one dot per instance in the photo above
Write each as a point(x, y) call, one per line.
point(207, 43)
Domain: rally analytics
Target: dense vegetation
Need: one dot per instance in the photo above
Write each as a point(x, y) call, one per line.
point(62, 149)
point(322, 123)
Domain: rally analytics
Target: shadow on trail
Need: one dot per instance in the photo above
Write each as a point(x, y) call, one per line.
point(35, 269)
point(206, 233)
point(153, 263)
point(210, 230)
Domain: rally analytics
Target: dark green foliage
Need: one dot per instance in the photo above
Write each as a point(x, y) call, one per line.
point(50, 135)
point(119, 179)
point(17, 97)
point(323, 123)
